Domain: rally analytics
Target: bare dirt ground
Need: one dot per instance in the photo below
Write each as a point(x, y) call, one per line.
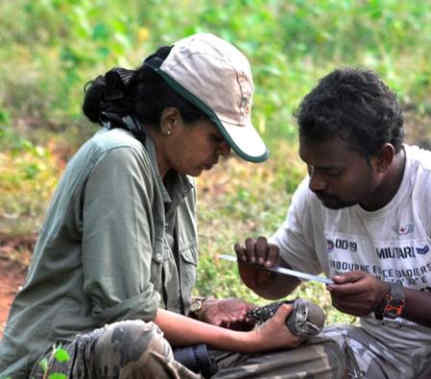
point(14, 257)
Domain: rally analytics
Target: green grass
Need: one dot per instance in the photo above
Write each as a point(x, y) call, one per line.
point(50, 48)
point(53, 47)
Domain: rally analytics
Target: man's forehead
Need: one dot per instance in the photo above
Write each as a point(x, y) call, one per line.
point(327, 153)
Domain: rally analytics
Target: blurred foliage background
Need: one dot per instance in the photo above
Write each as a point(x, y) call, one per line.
point(49, 49)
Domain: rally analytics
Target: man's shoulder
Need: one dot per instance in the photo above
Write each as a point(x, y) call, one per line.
point(418, 157)
point(418, 170)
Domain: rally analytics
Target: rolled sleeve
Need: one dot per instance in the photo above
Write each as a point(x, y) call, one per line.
point(117, 238)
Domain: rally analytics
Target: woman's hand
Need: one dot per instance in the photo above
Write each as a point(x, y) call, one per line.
point(229, 313)
point(273, 333)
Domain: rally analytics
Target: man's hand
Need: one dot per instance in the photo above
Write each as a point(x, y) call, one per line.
point(253, 258)
point(228, 313)
point(357, 293)
point(256, 253)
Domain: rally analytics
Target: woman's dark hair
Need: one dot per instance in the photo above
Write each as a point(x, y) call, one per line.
point(355, 105)
point(140, 93)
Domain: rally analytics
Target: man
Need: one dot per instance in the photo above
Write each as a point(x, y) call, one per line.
point(361, 216)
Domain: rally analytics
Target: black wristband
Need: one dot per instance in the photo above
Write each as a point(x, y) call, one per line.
point(393, 302)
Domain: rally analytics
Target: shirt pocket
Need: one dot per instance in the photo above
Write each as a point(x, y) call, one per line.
point(157, 262)
point(189, 261)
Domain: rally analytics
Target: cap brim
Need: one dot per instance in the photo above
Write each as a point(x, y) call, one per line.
point(244, 140)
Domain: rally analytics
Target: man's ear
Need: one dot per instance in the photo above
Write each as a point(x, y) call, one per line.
point(385, 157)
point(169, 120)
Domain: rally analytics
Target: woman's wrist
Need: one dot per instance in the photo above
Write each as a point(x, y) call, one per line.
point(242, 342)
point(199, 305)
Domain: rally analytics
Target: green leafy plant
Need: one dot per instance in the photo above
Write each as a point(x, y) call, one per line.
point(58, 354)
point(28, 175)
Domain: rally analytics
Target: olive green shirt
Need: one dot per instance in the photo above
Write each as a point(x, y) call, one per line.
point(116, 244)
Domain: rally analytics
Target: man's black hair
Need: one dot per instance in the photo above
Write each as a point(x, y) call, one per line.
point(354, 105)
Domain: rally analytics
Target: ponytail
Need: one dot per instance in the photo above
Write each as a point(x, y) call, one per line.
point(106, 96)
point(141, 93)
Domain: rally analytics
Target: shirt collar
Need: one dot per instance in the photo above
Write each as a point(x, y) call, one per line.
point(177, 185)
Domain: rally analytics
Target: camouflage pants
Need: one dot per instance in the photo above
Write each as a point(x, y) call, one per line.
point(136, 349)
point(369, 358)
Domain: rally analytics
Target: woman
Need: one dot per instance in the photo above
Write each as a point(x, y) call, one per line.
point(113, 269)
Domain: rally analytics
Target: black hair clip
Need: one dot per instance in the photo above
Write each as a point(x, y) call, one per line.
point(113, 119)
point(115, 86)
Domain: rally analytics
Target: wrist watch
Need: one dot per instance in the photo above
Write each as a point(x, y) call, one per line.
point(393, 302)
point(196, 305)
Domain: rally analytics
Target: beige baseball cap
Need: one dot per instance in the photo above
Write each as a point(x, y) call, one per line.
point(216, 77)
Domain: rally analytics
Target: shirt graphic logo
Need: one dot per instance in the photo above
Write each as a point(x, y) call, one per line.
point(390, 252)
point(403, 230)
point(422, 250)
point(342, 244)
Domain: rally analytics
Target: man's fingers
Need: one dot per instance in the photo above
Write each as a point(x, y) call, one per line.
point(349, 283)
point(273, 257)
point(257, 251)
point(349, 277)
point(240, 252)
point(348, 289)
point(261, 250)
point(250, 245)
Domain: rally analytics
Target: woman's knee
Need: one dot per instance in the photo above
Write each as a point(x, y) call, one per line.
point(128, 344)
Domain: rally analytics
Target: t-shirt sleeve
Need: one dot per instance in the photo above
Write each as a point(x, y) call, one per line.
point(116, 247)
point(294, 237)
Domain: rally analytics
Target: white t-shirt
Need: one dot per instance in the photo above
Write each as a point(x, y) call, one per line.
point(392, 243)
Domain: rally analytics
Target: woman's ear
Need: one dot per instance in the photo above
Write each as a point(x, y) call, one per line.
point(169, 120)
